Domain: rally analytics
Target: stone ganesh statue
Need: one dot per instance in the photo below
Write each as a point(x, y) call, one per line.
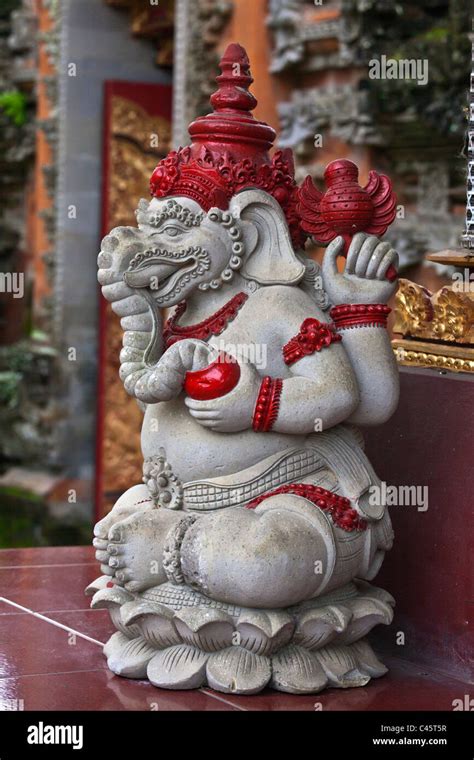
point(243, 559)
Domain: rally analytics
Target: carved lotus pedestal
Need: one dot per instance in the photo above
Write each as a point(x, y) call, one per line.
point(179, 639)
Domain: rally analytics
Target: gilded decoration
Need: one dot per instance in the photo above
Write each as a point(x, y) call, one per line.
point(437, 328)
point(433, 356)
point(446, 315)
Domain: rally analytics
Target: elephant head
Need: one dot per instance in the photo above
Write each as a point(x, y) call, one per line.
point(180, 250)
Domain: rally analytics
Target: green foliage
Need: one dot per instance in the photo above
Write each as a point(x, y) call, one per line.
point(13, 103)
point(15, 492)
point(436, 35)
point(20, 357)
point(26, 521)
point(26, 370)
point(435, 31)
point(7, 6)
point(9, 389)
point(16, 358)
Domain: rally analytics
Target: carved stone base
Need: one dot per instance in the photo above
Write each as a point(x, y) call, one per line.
point(180, 639)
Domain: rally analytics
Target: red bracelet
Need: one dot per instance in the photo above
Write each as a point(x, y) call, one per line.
point(360, 315)
point(268, 402)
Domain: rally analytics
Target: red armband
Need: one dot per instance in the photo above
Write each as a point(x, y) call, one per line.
point(268, 403)
point(360, 315)
point(313, 336)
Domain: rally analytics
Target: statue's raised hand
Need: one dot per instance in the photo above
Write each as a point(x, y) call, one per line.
point(363, 279)
point(233, 411)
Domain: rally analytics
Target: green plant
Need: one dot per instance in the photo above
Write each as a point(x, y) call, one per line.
point(26, 521)
point(9, 389)
point(13, 103)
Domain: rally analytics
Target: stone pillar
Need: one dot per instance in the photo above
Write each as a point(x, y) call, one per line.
point(95, 46)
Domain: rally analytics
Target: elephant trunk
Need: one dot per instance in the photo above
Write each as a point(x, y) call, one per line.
point(141, 321)
point(142, 340)
point(147, 374)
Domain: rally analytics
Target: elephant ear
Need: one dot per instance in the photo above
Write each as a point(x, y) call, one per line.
point(271, 259)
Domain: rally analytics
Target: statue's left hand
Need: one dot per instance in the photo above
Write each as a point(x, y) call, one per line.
point(363, 279)
point(234, 411)
point(164, 381)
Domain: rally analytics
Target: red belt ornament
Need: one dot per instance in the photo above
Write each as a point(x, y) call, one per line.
point(346, 207)
point(338, 507)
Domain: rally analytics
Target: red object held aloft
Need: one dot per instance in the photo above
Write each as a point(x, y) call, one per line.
point(346, 207)
point(214, 381)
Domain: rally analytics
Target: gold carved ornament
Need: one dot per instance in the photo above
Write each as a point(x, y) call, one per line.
point(437, 328)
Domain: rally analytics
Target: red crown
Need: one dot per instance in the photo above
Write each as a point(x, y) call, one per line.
point(229, 151)
point(179, 174)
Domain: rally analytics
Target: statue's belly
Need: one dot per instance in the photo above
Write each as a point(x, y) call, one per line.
point(195, 452)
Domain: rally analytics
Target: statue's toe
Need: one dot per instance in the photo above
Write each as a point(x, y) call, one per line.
point(117, 562)
point(115, 533)
point(124, 576)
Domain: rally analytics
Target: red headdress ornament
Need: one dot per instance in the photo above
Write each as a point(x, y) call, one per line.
point(229, 151)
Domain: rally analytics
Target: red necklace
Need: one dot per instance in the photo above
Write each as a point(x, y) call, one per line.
point(213, 325)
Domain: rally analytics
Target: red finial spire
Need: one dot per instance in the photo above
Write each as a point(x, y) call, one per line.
point(234, 82)
point(229, 150)
point(231, 126)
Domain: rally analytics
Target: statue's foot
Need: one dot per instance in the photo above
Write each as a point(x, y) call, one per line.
point(136, 548)
point(136, 499)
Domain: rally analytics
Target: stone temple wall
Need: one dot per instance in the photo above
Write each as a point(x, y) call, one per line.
point(95, 45)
